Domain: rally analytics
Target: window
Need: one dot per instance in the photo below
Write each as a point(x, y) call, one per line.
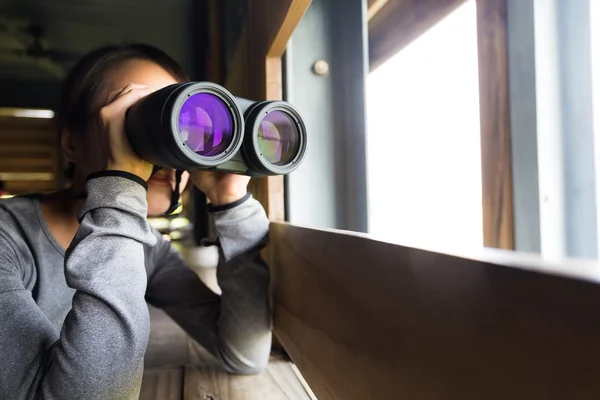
point(424, 157)
point(595, 49)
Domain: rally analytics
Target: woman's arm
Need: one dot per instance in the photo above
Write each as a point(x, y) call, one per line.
point(99, 351)
point(235, 327)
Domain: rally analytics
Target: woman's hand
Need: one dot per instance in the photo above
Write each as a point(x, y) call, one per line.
point(115, 151)
point(221, 187)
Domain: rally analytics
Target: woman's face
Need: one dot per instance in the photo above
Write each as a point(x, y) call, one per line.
point(143, 72)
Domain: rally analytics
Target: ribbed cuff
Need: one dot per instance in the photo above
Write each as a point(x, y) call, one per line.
point(212, 209)
point(122, 174)
point(115, 191)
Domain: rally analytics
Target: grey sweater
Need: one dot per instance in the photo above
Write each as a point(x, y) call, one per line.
point(75, 324)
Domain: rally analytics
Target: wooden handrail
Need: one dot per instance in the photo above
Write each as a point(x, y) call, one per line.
point(363, 319)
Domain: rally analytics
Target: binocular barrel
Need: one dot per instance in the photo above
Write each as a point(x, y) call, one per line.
point(200, 125)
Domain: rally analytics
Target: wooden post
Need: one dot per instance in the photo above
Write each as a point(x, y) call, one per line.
point(255, 73)
point(498, 213)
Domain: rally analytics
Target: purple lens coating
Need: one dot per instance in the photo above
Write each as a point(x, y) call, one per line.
point(278, 138)
point(205, 124)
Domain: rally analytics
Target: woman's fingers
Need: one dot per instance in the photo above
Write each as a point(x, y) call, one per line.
point(112, 116)
point(220, 187)
point(123, 101)
point(118, 93)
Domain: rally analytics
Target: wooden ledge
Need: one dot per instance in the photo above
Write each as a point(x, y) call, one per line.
point(364, 319)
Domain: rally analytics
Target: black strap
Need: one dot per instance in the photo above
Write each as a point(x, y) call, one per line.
point(225, 207)
point(155, 169)
point(175, 203)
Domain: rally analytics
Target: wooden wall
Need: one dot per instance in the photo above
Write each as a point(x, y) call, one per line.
point(29, 154)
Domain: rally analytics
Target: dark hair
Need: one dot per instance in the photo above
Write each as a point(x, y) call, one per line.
point(87, 79)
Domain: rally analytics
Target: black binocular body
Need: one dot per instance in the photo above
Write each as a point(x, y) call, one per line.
point(201, 125)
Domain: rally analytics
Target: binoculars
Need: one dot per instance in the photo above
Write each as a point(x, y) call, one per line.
point(200, 125)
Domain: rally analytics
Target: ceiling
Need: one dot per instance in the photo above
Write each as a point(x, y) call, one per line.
point(31, 70)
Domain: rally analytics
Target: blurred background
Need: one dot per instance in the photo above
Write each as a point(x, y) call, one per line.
point(408, 145)
point(41, 40)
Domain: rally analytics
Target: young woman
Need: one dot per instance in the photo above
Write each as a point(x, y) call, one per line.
point(77, 267)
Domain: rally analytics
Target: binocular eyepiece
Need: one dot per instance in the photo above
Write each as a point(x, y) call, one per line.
point(200, 125)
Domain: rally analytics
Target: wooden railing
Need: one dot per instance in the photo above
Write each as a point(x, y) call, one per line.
point(364, 319)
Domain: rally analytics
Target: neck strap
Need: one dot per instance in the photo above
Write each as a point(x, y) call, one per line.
point(175, 203)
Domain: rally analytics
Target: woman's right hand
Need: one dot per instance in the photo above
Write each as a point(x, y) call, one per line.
point(114, 144)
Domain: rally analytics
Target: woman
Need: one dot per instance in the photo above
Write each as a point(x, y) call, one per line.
point(77, 267)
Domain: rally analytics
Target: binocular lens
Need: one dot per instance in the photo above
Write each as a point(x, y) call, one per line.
point(278, 138)
point(201, 125)
point(206, 124)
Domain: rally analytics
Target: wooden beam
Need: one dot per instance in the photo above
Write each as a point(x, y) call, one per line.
point(214, 53)
point(498, 212)
point(364, 319)
point(292, 14)
point(255, 73)
point(399, 22)
point(373, 7)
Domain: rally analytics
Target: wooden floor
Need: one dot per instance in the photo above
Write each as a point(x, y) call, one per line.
point(278, 381)
point(177, 368)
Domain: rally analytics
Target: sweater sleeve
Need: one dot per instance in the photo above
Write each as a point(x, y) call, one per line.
point(236, 326)
point(98, 354)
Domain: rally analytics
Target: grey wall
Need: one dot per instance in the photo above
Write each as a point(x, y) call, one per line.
point(521, 58)
point(329, 189)
point(578, 127)
point(552, 127)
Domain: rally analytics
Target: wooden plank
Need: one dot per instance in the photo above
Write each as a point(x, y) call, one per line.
point(498, 212)
point(30, 145)
point(22, 187)
point(214, 50)
point(162, 384)
point(26, 176)
point(26, 154)
point(7, 149)
point(43, 122)
point(25, 141)
point(292, 14)
point(399, 22)
point(16, 164)
point(14, 136)
point(255, 73)
point(27, 126)
point(277, 382)
point(363, 319)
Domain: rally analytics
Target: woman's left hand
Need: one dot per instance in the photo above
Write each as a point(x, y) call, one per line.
point(220, 187)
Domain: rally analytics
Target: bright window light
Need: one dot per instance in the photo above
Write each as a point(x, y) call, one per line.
point(424, 156)
point(595, 32)
point(26, 113)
